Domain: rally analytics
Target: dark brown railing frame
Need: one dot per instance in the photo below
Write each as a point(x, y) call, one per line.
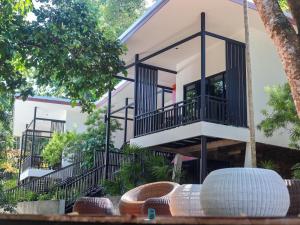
point(182, 113)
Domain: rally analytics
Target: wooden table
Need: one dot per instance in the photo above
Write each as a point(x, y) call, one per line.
point(88, 220)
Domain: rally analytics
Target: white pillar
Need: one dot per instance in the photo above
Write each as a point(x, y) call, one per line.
point(177, 166)
point(248, 156)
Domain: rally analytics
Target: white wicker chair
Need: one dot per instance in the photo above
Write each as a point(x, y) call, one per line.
point(244, 191)
point(185, 201)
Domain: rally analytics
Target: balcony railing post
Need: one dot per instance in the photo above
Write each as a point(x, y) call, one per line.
point(135, 122)
point(33, 136)
point(125, 121)
point(203, 67)
point(107, 141)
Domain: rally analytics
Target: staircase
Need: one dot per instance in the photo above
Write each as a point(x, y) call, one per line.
point(71, 182)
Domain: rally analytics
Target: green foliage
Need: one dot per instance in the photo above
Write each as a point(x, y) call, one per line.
point(10, 183)
point(6, 203)
point(296, 171)
point(64, 48)
point(121, 14)
point(12, 70)
point(269, 164)
point(282, 114)
point(47, 196)
point(52, 153)
point(92, 140)
point(6, 109)
point(69, 49)
point(284, 5)
point(142, 167)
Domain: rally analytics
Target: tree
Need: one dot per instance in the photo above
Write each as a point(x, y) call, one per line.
point(52, 153)
point(66, 45)
point(69, 48)
point(281, 115)
point(121, 14)
point(93, 139)
point(285, 37)
point(6, 137)
point(251, 145)
point(12, 70)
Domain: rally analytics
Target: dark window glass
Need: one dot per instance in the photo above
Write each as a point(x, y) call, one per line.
point(215, 86)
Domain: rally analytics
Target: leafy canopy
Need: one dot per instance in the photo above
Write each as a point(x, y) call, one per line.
point(12, 70)
point(121, 14)
point(65, 46)
point(70, 49)
point(281, 115)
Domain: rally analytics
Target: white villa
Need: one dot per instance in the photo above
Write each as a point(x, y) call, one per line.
point(34, 121)
point(185, 92)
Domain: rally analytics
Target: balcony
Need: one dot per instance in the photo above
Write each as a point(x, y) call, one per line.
point(36, 162)
point(183, 113)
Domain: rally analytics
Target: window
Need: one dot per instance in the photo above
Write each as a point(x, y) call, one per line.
point(215, 86)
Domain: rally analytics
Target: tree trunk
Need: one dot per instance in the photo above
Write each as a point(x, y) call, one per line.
point(250, 156)
point(285, 38)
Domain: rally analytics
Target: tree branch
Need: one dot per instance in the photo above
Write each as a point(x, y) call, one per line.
point(286, 41)
point(294, 6)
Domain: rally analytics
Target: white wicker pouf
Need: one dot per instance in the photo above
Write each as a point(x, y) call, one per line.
point(244, 192)
point(185, 201)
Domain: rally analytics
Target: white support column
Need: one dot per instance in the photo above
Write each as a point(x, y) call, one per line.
point(177, 166)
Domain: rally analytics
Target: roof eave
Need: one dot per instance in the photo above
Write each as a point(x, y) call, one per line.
point(142, 20)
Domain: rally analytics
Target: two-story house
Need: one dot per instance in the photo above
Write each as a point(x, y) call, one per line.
point(186, 86)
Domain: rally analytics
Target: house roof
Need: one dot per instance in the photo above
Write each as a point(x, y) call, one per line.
point(48, 99)
point(169, 21)
point(157, 6)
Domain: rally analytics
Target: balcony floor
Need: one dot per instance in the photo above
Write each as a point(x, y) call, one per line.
point(190, 131)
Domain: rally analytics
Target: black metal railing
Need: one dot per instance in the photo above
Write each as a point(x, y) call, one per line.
point(116, 159)
point(33, 162)
point(73, 181)
point(46, 182)
point(82, 185)
point(181, 113)
point(37, 162)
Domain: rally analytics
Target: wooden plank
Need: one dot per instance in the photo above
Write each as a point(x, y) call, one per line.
point(85, 220)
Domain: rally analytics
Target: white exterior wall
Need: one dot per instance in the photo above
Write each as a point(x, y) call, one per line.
point(189, 70)
point(267, 70)
point(33, 172)
point(75, 121)
point(118, 136)
point(24, 112)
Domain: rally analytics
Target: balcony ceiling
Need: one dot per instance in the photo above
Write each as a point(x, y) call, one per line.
point(178, 19)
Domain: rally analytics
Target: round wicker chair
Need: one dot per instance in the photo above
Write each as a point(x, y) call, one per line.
point(132, 202)
point(185, 201)
point(96, 206)
point(161, 205)
point(294, 190)
point(251, 192)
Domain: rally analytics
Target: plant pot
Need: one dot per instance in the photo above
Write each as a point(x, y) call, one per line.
point(185, 201)
point(244, 192)
point(47, 207)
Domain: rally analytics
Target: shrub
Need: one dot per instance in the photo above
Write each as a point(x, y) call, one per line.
point(52, 153)
point(144, 168)
point(92, 140)
point(269, 164)
point(296, 171)
point(6, 202)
